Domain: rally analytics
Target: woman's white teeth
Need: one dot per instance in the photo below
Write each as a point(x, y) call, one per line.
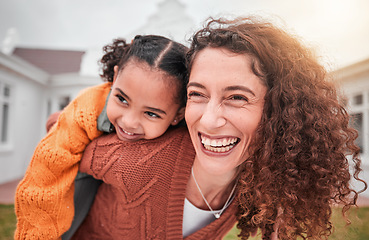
point(218, 149)
point(218, 145)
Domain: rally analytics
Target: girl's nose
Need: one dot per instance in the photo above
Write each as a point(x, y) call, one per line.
point(130, 119)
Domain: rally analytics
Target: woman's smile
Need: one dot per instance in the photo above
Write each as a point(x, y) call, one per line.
point(218, 144)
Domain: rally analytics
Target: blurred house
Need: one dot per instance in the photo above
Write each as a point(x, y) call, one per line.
point(170, 20)
point(33, 84)
point(354, 81)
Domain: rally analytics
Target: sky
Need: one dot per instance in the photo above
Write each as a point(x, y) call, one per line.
point(337, 29)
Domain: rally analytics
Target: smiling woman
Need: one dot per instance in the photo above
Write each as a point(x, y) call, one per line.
point(294, 165)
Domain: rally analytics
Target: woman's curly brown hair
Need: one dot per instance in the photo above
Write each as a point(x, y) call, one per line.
point(299, 163)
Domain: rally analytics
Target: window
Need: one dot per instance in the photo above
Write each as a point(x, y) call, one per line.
point(358, 99)
point(63, 102)
point(359, 110)
point(5, 94)
point(357, 123)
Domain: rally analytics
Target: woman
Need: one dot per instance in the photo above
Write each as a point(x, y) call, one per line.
point(267, 146)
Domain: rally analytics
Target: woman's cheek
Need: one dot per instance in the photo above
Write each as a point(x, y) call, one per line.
point(193, 111)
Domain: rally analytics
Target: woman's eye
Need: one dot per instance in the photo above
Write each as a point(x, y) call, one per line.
point(239, 98)
point(194, 94)
point(152, 115)
point(237, 101)
point(196, 97)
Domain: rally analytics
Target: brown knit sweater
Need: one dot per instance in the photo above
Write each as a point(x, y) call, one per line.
point(144, 188)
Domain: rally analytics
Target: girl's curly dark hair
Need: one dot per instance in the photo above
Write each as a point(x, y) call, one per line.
point(157, 51)
point(303, 148)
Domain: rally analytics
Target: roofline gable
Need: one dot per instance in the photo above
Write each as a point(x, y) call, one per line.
point(24, 68)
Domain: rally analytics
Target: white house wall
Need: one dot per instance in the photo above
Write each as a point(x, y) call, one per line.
point(27, 117)
point(68, 85)
point(34, 95)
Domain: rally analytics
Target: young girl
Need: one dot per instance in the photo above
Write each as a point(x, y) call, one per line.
point(147, 82)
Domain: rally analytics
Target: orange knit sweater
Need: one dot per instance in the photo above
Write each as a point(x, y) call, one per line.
point(144, 188)
point(44, 198)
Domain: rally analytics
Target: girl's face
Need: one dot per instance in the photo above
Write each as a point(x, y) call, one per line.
point(224, 108)
point(142, 103)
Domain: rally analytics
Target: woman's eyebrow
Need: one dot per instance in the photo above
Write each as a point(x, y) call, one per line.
point(195, 84)
point(229, 88)
point(239, 87)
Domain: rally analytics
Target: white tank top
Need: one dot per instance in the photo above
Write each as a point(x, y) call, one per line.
point(195, 218)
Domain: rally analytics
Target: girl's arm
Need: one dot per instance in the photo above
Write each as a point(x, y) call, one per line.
point(44, 198)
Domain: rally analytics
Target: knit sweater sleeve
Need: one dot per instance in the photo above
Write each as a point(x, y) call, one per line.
point(104, 151)
point(44, 198)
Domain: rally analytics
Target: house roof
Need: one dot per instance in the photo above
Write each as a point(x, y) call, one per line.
point(52, 61)
point(353, 71)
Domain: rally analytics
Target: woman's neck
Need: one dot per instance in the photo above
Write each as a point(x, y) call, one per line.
point(216, 189)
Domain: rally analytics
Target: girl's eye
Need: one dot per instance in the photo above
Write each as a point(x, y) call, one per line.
point(122, 99)
point(152, 115)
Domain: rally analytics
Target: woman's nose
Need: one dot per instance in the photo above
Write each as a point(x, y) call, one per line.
point(213, 116)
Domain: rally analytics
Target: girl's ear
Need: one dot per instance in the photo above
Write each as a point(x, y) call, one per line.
point(116, 70)
point(179, 116)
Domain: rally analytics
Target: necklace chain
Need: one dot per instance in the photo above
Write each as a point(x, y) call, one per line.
point(216, 214)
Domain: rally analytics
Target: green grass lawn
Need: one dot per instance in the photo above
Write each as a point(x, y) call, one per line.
point(358, 230)
point(7, 222)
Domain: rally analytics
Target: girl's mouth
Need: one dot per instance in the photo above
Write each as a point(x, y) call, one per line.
point(219, 145)
point(129, 133)
point(128, 136)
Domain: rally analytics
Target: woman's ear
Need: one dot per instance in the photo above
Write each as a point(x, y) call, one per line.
point(116, 70)
point(179, 116)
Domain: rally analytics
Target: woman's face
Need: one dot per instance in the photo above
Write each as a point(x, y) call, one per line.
point(224, 108)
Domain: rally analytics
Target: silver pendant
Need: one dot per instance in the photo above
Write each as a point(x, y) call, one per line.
point(217, 215)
